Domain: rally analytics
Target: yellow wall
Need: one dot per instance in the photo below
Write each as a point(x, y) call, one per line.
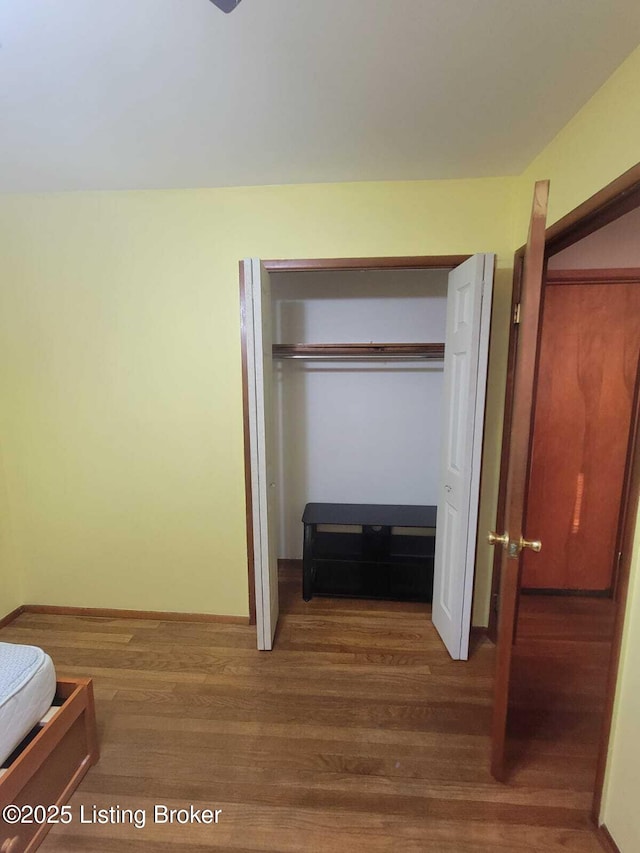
point(622, 788)
point(11, 595)
point(601, 142)
point(120, 359)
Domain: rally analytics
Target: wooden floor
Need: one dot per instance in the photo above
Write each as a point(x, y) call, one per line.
point(559, 673)
point(357, 734)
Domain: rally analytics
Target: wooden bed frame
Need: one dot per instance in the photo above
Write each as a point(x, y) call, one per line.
point(51, 765)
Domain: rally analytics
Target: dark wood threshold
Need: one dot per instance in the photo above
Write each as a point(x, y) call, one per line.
point(115, 613)
point(8, 619)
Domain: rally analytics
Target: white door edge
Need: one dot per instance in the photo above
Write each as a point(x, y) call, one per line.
point(265, 623)
point(466, 360)
point(476, 464)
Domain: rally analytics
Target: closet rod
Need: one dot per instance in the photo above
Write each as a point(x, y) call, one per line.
point(431, 351)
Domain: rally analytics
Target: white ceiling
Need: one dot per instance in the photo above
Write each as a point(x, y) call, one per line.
point(110, 94)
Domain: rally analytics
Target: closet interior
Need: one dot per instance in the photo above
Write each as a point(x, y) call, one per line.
point(357, 396)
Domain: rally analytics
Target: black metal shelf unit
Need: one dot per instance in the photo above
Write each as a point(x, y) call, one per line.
point(391, 557)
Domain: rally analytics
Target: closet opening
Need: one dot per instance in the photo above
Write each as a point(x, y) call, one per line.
point(358, 377)
point(345, 368)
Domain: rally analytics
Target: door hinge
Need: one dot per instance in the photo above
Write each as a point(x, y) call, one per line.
point(495, 602)
point(516, 314)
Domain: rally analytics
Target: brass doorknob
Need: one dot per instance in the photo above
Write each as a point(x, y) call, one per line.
point(495, 539)
point(534, 544)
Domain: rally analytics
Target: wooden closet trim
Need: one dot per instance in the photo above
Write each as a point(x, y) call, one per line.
point(412, 262)
point(418, 262)
point(611, 202)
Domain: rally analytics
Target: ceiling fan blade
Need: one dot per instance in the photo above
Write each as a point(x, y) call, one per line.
point(226, 5)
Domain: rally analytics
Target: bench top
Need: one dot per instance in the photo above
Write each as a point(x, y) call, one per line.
point(375, 515)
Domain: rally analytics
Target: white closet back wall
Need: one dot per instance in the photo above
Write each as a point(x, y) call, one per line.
point(364, 431)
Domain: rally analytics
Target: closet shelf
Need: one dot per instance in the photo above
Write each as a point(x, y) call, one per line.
point(429, 352)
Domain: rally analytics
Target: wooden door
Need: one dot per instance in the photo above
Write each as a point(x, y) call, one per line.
point(465, 378)
point(261, 440)
point(586, 379)
point(512, 539)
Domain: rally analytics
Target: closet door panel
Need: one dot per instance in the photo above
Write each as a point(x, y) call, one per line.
point(468, 313)
point(261, 428)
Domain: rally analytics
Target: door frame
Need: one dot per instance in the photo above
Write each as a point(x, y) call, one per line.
point(417, 262)
point(610, 203)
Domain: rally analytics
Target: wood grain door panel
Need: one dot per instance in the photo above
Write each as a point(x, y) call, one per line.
point(587, 371)
point(516, 471)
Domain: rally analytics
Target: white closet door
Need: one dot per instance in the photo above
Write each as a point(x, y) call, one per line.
point(465, 379)
point(261, 432)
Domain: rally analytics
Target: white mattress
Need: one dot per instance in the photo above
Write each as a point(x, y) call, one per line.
point(27, 688)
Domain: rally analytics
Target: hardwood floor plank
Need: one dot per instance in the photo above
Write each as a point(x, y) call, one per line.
point(485, 791)
point(357, 733)
point(275, 828)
